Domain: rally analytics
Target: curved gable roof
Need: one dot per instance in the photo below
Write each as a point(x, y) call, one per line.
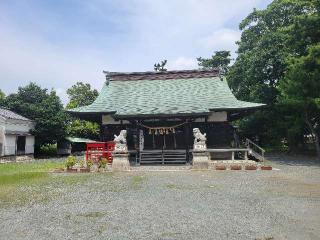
point(191, 92)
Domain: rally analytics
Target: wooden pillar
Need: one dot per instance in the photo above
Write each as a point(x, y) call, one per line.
point(101, 132)
point(246, 155)
point(187, 140)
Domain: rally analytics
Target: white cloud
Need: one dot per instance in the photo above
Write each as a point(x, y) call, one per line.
point(62, 93)
point(222, 39)
point(27, 58)
point(182, 63)
point(55, 49)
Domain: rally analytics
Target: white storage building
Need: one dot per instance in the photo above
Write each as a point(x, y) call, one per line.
point(15, 136)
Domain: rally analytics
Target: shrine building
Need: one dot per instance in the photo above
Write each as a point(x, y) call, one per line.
point(160, 109)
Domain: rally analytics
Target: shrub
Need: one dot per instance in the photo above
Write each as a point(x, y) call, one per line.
point(48, 150)
point(102, 163)
point(71, 161)
point(81, 163)
point(89, 163)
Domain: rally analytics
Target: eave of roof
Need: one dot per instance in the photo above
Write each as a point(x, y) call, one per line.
point(23, 133)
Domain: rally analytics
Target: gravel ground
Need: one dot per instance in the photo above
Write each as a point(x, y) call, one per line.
point(184, 204)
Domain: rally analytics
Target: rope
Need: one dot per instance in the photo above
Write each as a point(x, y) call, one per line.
point(161, 130)
point(174, 126)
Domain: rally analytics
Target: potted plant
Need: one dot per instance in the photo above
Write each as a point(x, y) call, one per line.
point(235, 167)
point(70, 162)
point(89, 164)
point(266, 167)
point(221, 167)
point(102, 163)
point(82, 167)
point(250, 167)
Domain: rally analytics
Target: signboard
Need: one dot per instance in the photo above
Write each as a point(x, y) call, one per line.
point(141, 140)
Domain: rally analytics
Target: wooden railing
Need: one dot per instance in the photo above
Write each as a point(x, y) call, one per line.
point(255, 150)
point(232, 150)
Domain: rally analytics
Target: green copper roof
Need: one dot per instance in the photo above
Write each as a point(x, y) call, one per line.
point(171, 96)
point(79, 140)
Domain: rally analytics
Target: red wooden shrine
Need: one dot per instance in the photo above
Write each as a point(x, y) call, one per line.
point(100, 150)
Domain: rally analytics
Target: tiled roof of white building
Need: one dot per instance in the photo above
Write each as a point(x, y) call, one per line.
point(11, 115)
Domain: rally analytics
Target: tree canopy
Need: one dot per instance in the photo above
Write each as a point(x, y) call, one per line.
point(220, 60)
point(276, 64)
point(81, 94)
point(300, 91)
point(42, 106)
point(160, 67)
point(2, 97)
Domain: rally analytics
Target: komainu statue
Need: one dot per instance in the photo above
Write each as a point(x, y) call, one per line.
point(199, 140)
point(121, 138)
point(121, 142)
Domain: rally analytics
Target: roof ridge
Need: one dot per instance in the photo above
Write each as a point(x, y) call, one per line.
point(164, 75)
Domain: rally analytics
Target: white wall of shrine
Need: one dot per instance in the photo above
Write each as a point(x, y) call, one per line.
point(107, 119)
point(218, 117)
point(215, 117)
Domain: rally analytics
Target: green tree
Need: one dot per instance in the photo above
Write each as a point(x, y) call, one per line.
point(220, 60)
point(160, 67)
point(80, 95)
point(82, 128)
point(300, 91)
point(44, 107)
point(270, 37)
point(2, 98)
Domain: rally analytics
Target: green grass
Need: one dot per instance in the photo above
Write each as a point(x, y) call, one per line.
point(28, 183)
point(92, 214)
point(12, 168)
point(137, 179)
point(136, 182)
point(178, 187)
point(21, 177)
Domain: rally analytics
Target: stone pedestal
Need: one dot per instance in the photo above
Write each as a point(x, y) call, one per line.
point(199, 146)
point(121, 148)
point(120, 162)
point(200, 160)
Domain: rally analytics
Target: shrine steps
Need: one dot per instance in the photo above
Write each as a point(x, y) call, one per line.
point(163, 157)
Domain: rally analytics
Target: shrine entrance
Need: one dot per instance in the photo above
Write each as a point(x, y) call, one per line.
point(164, 138)
point(164, 144)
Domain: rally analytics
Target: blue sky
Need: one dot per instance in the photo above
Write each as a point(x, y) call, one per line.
point(56, 43)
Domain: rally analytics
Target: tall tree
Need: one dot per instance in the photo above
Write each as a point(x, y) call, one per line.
point(220, 60)
point(81, 94)
point(44, 107)
point(2, 97)
point(269, 38)
point(160, 67)
point(300, 90)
